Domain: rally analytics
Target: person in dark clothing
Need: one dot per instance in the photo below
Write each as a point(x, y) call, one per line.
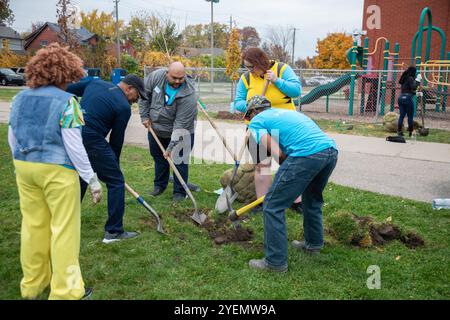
point(409, 83)
point(106, 109)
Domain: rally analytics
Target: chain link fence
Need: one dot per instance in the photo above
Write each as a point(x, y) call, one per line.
point(328, 93)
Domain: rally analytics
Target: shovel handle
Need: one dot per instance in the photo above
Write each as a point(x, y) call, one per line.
point(175, 170)
point(224, 141)
point(266, 86)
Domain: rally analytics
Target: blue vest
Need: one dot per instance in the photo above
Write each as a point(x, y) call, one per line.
point(35, 121)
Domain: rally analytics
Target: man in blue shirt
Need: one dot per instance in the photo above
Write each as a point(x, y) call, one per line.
point(106, 109)
point(307, 158)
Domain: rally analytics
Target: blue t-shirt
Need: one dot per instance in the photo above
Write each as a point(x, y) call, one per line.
point(171, 92)
point(297, 135)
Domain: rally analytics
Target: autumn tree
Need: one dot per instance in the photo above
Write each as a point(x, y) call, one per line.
point(278, 44)
point(199, 35)
point(137, 32)
point(331, 51)
point(6, 14)
point(9, 59)
point(102, 24)
point(233, 58)
point(249, 37)
point(66, 15)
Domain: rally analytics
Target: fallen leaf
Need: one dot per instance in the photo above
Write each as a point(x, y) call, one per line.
point(389, 219)
point(398, 258)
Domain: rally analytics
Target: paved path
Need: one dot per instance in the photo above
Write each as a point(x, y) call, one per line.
point(418, 171)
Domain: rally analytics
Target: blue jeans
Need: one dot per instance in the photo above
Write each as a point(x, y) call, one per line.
point(406, 107)
point(162, 167)
point(306, 176)
point(105, 163)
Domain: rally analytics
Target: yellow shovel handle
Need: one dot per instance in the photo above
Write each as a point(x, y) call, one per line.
point(250, 206)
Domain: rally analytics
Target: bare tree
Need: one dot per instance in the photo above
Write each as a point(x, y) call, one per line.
point(66, 15)
point(249, 37)
point(279, 43)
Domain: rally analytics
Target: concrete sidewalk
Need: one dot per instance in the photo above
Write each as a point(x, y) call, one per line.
point(417, 171)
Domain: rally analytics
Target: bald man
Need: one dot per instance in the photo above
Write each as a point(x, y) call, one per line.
point(171, 111)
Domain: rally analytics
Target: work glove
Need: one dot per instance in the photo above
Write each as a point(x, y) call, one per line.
point(419, 77)
point(95, 189)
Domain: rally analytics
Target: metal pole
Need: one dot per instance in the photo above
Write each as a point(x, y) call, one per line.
point(394, 76)
point(212, 47)
point(353, 77)
point(293, 49)
point(117, 32)
point(384, 78)
point(363, 79)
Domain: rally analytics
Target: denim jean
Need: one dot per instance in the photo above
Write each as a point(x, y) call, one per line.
point(406, 107)
point(306, 176)
point(105, 163)
point(162, 167)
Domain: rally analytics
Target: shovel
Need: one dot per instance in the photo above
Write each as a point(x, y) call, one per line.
point(422, 131)
point(235, 214)
point(197, 217)
point(146, 206)
point(229, 195)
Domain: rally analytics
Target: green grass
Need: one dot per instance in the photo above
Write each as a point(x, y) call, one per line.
point(186, 264)
point(8, 94)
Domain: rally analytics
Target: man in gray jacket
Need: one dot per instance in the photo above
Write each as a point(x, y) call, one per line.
point(171, 110)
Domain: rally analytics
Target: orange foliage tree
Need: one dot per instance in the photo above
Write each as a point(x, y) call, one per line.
point(331, 51)
point(10, 59)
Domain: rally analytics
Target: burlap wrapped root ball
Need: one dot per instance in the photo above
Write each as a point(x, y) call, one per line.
point(243, 182)
point(390, 122)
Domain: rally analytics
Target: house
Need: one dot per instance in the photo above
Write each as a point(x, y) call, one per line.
point(50, 32)
point(11, 40)
point(193, 52)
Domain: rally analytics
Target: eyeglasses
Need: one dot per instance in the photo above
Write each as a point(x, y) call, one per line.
point(249, 67)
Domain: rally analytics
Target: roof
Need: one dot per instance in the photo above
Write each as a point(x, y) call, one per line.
point(82, 34)
point(7, 32)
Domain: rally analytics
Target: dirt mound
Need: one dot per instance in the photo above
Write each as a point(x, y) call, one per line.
point(221, 231)
point(229, 116)
point(351, 229)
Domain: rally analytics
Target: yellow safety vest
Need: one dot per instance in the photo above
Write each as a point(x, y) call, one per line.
point(255, 86)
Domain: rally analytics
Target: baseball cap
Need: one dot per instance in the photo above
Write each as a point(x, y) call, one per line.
point(256, 102)
point(137, 83)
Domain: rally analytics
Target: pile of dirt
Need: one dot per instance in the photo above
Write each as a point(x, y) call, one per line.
point(223, 232)
point(364, 232)
point(220, 231)
point(229, 116)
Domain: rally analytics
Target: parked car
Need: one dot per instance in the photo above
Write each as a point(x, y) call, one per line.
point(7, 76)
point(19, 70)
point(318, 81)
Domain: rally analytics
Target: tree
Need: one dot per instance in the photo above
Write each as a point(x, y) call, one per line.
point(130, 64)
point(136, 31)
point(249, 37)
point(199, 35)
point(331, 51)
point(164, 35)
point(280, 39)
point(6, 14)
point(102, 24)
point(66, 15)
point(9, 59)
point(233, 58)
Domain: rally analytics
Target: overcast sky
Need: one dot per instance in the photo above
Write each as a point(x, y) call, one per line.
point(312, 18)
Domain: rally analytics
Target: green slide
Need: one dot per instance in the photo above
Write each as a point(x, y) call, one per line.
point(326, 89)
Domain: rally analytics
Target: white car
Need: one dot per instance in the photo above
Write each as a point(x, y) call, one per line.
point(318, 80)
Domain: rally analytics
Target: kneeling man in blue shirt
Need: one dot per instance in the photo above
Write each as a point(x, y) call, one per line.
point(307, 157)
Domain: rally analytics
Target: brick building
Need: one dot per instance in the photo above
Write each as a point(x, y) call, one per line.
point(399, 21)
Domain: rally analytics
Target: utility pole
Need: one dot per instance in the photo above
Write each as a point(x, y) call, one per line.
point(212, 43)
point(293, 49)
point(117, 32)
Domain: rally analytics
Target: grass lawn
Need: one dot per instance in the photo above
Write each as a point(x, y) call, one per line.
point(186, 264)
point(7, 94)
point(358, 128)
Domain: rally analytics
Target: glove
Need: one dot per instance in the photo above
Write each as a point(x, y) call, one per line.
point(96, 189)
point(419, 77)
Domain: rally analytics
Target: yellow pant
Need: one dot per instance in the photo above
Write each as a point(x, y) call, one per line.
point(50, 236)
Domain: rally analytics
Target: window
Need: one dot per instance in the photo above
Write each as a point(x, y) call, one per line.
point(44, 43)
point(5, 43)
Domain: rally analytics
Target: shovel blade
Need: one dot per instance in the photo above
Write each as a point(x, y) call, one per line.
point(225, 200)
point(200, 218)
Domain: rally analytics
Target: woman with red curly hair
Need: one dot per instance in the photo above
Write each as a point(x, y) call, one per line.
point(45, 139)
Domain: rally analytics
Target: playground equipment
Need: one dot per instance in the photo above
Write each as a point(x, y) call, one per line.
point(383, 89)
point(425, 67)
